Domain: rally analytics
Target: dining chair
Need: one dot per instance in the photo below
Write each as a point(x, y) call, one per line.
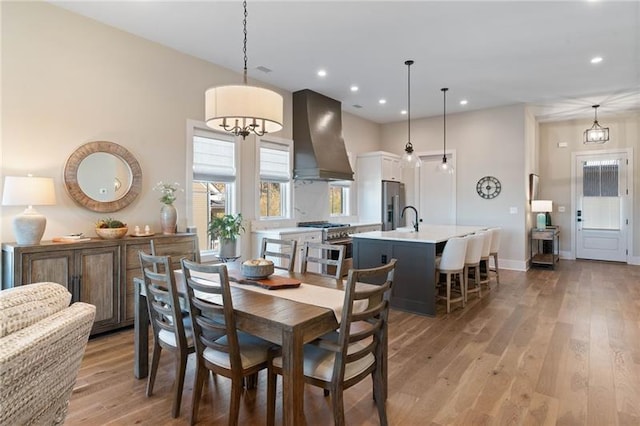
point(472, 265)
point(484, 258)
point(339, 360)
point(282, 252)
point(451, 265)
point(328, 257)
point(493, 252)
point(171, 328)
point(220, 348)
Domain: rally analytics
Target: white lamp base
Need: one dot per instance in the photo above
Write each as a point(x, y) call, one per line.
point(541, 220)
point(28, 227)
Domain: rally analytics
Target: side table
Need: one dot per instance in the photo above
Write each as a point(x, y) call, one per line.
point(538, 236)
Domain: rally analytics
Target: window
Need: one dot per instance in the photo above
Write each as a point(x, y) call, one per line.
point(339, 199)
point(213, 181)
point(275, 158)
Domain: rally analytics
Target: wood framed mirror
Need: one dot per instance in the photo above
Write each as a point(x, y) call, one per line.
point(103, 176)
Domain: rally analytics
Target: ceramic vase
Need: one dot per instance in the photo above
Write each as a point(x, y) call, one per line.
point(227, 249)
point(168, 219)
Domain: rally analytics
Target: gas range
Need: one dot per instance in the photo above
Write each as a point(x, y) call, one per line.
point(331, 232)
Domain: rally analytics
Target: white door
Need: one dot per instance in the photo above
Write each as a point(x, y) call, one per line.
point(437, 191)
point(602, 200)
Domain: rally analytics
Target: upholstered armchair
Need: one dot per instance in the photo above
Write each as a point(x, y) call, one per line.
point(42, 342)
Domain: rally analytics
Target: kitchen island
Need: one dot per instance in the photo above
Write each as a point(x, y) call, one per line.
point(414, 279)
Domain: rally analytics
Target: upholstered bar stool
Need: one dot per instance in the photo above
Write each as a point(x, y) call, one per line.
point(451, 264)
point(484, 258)
point(493, 252)
point(475, 244)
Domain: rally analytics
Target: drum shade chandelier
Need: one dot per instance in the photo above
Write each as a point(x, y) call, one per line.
point(597, 133)
point(409, 159)
point(444, 166)
point(243, 109)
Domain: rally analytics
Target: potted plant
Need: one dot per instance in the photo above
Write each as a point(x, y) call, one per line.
point(226, 229)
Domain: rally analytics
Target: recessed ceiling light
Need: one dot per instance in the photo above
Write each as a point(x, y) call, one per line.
point(354, 88)
point(322, 73)
point(596, 59)
point(464, 102)
point(403, 112)
point(382, 101)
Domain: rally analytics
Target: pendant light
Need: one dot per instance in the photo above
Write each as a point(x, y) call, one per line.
point(444, 166)
point(597, 133)
point(243, 109)
point(409, 159)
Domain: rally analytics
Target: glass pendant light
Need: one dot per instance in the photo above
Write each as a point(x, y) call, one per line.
point(410, 160)
point(243, 109)
point(444, 166)
point(597, 133)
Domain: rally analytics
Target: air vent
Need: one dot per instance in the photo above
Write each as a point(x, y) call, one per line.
point(263, 69)
point(357, 106)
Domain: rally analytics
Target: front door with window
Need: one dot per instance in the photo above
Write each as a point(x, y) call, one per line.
point(601, 206)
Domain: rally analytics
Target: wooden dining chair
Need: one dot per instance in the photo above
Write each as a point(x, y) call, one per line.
point(451, 265)
point(339, 360)
point(282, 252)
point(171, 328)
point(472, 265)
point(329, 258)
point(484, 259)
point(220, 348)
point(493, 252)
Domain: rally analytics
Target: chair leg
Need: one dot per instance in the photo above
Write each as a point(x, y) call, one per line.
point(495, 262)
point(448, 293)
point(338, 405)
point(200, 376)
point(463, 288)
point(155, 360)
point(271, 396)
point(234, 403)
point(378, 395)
point(181, 368)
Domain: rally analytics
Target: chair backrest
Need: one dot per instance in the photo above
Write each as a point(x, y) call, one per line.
point(282, 252)
point(495, 240)
point(212, 318)
point(163, 301)
point(486, 247)
point(475, 243)
point(329, 257)
point(368, 338)
point(454, 254)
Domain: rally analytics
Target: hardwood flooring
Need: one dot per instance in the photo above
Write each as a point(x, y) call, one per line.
point(546, 347)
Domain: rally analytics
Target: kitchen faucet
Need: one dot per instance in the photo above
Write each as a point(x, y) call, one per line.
point(415, 224)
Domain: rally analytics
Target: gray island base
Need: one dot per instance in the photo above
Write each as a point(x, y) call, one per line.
point(414, 288)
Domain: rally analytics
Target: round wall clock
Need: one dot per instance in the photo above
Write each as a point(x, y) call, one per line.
point(488, 187)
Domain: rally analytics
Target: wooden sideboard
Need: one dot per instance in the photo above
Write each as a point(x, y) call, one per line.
point(99, 272)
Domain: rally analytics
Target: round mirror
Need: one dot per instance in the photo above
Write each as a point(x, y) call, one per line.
point(103, 176)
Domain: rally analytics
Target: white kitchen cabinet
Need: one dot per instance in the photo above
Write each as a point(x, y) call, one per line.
point(300, 235)
point(371, 169)
point(391, 168)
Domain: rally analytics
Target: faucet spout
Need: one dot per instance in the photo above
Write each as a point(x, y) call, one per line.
point(415, 211)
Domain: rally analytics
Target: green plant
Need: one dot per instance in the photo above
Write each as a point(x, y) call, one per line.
point(108, 222)
point(226, 227)
point(168, 191)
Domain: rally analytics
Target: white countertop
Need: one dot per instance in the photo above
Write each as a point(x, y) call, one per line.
point(427, 233)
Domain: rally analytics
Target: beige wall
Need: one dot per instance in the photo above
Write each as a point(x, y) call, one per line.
point(486, 142)
point(555, 166)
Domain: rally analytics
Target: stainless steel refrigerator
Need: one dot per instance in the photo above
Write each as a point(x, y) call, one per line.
point(392, 205)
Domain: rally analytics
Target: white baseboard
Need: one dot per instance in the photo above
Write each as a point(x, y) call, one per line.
point(634, 260)
point(513, 265)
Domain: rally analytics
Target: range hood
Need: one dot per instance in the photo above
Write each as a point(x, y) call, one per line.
point(319, 148)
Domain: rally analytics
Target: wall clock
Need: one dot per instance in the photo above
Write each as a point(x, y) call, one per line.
point(488, 187)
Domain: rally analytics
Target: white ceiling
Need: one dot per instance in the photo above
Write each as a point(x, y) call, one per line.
point(490, 53)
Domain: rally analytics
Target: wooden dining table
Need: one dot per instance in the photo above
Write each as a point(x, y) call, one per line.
point(287, 323)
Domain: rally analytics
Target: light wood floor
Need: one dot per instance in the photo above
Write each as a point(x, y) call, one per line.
point(546, 347)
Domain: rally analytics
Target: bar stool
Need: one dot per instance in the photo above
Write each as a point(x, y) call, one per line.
point(451, 264)
point(493, 252)
point(475, 244)
point(484, 258)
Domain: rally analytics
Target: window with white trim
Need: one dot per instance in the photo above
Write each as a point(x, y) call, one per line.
point(213, 183)
point(340, 195)
point(275, 159)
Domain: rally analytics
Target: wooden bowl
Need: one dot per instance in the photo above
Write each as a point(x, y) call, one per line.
point(257, 271)
point(111, 233)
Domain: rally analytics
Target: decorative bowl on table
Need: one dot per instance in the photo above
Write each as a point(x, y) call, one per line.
point(257, 268)
point(111, 233)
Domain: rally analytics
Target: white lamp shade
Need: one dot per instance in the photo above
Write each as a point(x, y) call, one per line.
point(542, 206)
point(245, 104)
point(28, 191)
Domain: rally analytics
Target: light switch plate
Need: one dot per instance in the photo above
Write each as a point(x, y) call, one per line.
point(561, 209)
point(513, 210)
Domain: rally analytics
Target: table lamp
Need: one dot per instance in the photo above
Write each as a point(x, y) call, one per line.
point(30, 191)
point(542, 207)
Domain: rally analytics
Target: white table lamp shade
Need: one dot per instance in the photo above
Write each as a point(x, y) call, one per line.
point(28, 226)
point(542, 207)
